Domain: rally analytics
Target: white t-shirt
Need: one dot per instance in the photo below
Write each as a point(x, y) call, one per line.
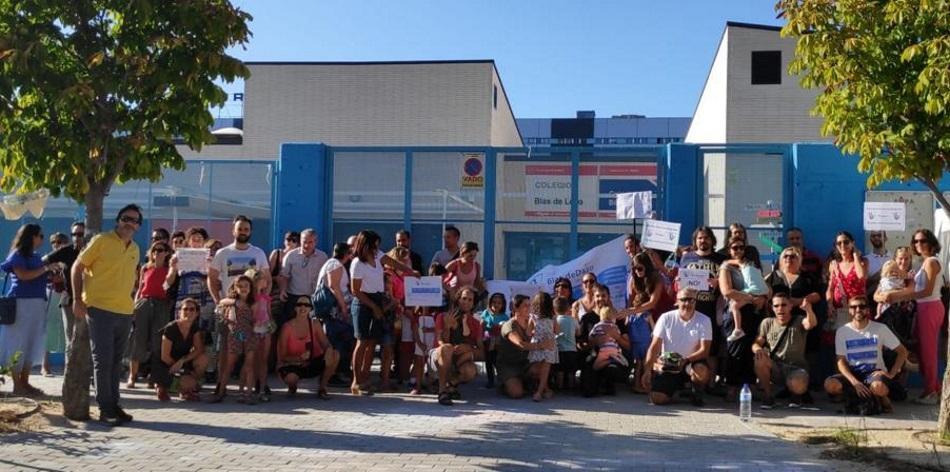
point(324, 277)
point(862, 348)
point(230, 262)
point(371, 277)
point(682, 337)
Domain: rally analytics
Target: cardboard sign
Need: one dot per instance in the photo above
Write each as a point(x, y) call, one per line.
point(193, 260)
point(662, 235)
point(885, 216)
point(696, 279)
point(632, 205)
point(423, 291)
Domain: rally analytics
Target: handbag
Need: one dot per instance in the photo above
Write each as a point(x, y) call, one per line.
point(7, 305)
point(323, 302)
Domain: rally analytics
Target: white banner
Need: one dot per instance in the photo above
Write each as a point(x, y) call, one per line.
point(510, 288)
point(608, 262)
point(192, 260)
point(662, 235)
point(885, 216)
point(423, 291)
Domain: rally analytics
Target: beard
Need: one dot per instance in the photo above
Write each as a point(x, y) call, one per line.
point(242, 238)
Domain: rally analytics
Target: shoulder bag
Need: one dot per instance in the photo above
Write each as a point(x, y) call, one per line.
point(7, 305)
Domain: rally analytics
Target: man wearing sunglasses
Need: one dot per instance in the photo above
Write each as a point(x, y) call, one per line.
point(683, 336)
point(779, 351)
point(104, 278)
point(67, 255)
point(859, 346)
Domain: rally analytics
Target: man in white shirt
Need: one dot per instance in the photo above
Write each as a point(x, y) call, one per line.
point(859, 346)
point(299, 272)
point(450, 239)
point(683, 336)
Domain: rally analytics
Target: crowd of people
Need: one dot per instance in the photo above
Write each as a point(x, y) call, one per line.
point(852, 325)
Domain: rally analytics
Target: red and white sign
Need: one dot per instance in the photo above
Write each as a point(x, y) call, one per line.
point(548, 187)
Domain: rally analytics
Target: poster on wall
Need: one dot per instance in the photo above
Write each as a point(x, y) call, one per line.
point(885, 216)
point(473, 170)
point(548, 188)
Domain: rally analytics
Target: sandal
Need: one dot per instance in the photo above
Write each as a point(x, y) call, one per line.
point(322, 394)
point(445, 398)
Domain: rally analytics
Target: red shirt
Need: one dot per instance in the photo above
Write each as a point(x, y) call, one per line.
point(474, 328)
point(153, 282)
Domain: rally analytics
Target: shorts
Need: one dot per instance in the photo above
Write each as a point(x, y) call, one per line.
point(567, 361)
point(668, 383)
point(365, 326)
point(240, 342)
point(896, 391)
point(311, 370)
point(781, 372)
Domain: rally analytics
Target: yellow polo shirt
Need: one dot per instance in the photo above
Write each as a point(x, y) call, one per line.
point(109, 275)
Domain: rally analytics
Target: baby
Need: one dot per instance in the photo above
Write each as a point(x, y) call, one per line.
point(607, 348)
point(892, 279)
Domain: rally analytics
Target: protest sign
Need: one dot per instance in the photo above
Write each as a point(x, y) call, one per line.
point(423, 291)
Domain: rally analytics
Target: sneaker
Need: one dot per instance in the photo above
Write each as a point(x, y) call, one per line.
point(795, 401)
point(110, 421)
point(123, 416)
point(736, 335)
point(768, 403)
point(932, 398)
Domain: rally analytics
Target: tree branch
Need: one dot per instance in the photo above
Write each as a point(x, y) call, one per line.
point(930, 184)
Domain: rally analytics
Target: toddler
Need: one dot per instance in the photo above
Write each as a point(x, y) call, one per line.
point(640, 332)
point(892, 279)
point(603, 343)
point(754, 284)
point(237, 311)
point(492, 319)
point(264, 328)
point(423, 331)
point(566, 343)
point(543, 328)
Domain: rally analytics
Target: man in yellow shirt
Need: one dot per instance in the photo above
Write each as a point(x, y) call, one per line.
point(104, 275)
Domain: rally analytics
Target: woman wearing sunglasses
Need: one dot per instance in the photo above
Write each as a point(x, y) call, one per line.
point(304, 352)
point(152, 310)
point(182, 354)
point(847, 276)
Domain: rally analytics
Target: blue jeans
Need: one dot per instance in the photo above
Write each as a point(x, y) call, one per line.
point(108, 336)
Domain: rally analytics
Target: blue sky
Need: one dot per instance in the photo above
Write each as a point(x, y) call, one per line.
point(555, 57)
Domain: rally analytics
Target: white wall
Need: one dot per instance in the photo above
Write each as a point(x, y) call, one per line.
point(709, 119)
point(504, 129)
point(766, 113)
point(386, 104)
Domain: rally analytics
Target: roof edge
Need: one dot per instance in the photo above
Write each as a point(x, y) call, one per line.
point(739, 24)
point(362, 63)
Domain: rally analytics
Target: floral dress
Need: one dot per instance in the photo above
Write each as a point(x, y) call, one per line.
point(543, 331)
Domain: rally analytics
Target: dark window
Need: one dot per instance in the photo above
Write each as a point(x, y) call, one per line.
point(766, 67)
point(494, 96)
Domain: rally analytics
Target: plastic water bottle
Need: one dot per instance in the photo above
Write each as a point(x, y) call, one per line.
point(745, 403)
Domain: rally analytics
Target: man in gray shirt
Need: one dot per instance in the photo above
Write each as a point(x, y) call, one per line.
point(450, 238)
point(299, 272)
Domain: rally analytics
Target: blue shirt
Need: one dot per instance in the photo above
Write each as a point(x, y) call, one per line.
point(491, 322)
point(35, 288)
point(567, 330)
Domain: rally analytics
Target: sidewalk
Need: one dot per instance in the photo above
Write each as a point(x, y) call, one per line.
point(401, 432)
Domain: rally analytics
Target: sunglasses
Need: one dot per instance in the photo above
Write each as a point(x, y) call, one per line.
point(78, 235)
point(686, 300)
point(857, 307)
point(304, 304)
point(640, 269)
point(789, 256)
point(737, 248)
point(130, 219)
point(842, 243)
point(588, 281)
point(919, 241)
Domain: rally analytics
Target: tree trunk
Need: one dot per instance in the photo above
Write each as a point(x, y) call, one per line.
point(79, 359)
point(943, 422)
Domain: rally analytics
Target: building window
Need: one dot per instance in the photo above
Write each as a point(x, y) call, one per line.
point(766, 67)
point(494, 97)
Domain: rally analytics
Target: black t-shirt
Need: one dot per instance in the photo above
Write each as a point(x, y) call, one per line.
point(66, 255)
point(804, 285)
point(705, 300)
point(181, 345)
point(588, 320)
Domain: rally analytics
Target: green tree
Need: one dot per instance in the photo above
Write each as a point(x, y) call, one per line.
point(883, 68)
point(93, 92)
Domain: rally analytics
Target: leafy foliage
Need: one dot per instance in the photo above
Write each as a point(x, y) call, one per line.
point(884, 70)
point(94, 91)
